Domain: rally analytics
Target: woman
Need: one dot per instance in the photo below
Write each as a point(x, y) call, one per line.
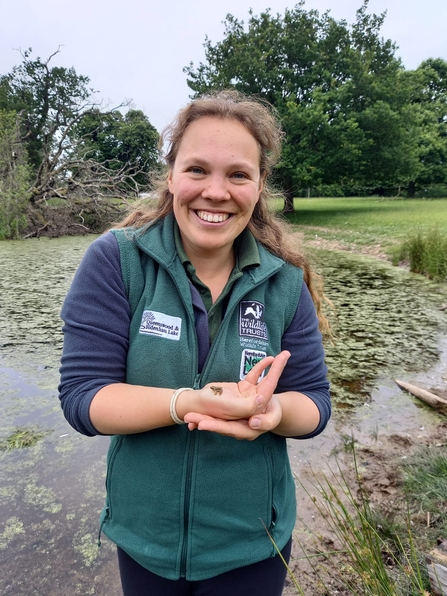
point(171, 323)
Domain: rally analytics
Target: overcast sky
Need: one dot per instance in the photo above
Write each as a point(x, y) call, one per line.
point(136, 49)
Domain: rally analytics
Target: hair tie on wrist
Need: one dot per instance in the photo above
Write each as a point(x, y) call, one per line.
point(173, 403)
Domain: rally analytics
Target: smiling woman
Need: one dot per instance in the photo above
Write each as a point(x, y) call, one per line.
point(171, 323)
point(215, 184)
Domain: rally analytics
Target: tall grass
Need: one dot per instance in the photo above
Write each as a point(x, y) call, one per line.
point(377, 554)
point(368, 564)
point(426, 254)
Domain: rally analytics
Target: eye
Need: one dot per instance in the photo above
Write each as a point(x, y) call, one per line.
point(196, 170)
point(239, 175)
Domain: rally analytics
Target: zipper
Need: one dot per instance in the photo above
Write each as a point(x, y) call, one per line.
point(110, 465)
point(186, 503)
point(197, 385)
point(192, 444)
point(188, 485)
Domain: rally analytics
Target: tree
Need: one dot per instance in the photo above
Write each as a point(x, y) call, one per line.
point(429, 102)
point(338, 88)
point(121, 141)
point(50, 100)
point(65, 133)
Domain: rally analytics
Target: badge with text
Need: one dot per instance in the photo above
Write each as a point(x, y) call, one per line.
point(249, 359)
point(251, 320)
point(160, 325)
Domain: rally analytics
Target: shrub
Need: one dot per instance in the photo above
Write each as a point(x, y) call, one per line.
point(426, 254)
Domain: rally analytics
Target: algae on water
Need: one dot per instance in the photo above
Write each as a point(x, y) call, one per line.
point(13, 527)
point(386, 320)
point(22, 438)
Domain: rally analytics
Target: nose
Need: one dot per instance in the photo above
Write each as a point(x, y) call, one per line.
point(216, 189)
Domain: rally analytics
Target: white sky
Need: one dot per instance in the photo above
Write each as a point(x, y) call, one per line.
point(137, 49)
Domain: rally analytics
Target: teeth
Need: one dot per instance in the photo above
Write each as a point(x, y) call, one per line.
point(213, 217)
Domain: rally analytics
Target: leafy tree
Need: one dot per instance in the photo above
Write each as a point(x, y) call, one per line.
point(429, 102)
point(339, 89)
point(51, 100)
point(119, 140)
point(76, 152)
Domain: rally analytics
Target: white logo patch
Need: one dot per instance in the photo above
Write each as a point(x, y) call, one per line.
point(160, 325)
point(249, 359)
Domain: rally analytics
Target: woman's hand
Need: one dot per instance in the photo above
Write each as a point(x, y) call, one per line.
point(241, 410)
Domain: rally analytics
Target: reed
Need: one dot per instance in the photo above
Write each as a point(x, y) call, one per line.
point(375, 554)
point(426, 253)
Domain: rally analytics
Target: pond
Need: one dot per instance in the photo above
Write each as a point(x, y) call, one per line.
point(388, 324)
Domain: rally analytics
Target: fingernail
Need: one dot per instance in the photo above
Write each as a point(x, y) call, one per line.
point(255, 423)
point(260, 400)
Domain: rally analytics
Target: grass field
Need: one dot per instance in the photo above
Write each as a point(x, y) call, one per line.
point(369, 221)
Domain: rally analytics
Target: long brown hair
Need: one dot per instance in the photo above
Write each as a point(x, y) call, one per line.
point(260, 119)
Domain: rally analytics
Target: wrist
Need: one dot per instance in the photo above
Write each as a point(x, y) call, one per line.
point(185, 403)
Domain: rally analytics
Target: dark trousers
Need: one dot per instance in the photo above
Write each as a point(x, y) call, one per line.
point(265, 578)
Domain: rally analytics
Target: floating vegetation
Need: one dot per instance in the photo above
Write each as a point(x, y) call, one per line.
point(386, 320)
point(42, 497)
point(22, 438)
point(12, 528)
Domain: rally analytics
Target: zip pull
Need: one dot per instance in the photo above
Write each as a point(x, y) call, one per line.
point(197, 381)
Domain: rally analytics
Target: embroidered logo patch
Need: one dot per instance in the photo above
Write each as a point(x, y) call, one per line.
point(160, 325)
point(249, 359)
point(251, 320)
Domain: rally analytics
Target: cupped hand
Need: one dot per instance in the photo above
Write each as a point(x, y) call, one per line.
point(243, 410)
point(249, 430)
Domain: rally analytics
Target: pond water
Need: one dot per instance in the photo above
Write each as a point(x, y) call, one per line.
point(388, 324)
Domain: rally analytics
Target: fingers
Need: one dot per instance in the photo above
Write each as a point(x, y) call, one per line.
point(223, 400)
point(254, 374)
point(268, 384)
point(268, 419)
point(276, 364)
point(238, 429)
point(218, 403)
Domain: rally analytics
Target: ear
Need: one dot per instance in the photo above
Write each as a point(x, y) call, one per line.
point(170, 181)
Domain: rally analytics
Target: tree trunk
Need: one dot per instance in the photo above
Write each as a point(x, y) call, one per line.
point(411, 190)
point(288, 201)
point(436, 402)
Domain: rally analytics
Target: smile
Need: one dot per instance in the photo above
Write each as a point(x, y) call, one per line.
point(213, 217)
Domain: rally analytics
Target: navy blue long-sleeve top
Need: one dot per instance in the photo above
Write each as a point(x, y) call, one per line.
point(96, 315)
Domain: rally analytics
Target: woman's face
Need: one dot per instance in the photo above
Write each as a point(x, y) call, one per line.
point(216, 183)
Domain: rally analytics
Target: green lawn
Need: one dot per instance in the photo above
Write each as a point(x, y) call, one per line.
point(369, 221)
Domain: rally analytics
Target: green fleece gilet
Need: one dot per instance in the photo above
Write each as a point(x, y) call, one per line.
point(197, 504)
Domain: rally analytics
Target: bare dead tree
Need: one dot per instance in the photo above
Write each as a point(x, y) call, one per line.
point(57, 101)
